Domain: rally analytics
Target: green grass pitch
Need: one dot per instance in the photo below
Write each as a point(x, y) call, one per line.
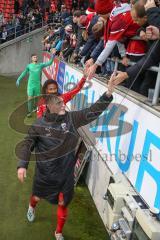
point(83, 222)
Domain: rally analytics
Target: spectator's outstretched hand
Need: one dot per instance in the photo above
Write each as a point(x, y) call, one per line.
point(89, 63)
point(143, 35)
point(152, 33)
point(61, 55)
point(91, 71)
point(120, 77)
point(149, 4)
point(53, 51)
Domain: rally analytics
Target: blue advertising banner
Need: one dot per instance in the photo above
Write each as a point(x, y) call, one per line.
point(127, 143)
point(60, 77)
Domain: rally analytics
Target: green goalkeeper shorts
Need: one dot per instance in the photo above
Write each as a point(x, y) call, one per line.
point(33, 91)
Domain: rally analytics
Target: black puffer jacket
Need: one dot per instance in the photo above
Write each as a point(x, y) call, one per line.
point(54, 139)
point(153, 16)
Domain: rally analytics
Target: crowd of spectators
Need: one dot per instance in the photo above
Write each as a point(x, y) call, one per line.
point(30, 15)
point(95, 35)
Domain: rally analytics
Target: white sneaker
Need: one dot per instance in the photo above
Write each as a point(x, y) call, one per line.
point(59, 236)
point(31, 214)
point(34, 110)
point(29, 115)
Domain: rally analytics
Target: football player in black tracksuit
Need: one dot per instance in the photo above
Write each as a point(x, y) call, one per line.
point(54, 138)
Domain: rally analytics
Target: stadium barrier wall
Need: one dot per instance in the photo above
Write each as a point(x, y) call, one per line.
point(16, 53)
point(127, 137)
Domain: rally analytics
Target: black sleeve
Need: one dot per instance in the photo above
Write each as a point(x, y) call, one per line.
point(24, 148)
point(90, 42)
point(97, 51)
point(152, 58)
point(79, 41)
point(153, 16)
point(85, 116)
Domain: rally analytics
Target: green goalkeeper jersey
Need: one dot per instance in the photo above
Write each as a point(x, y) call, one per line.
point(34, 70)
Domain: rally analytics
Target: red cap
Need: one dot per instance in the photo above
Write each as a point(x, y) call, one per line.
point(90, 10)
point(103, 6)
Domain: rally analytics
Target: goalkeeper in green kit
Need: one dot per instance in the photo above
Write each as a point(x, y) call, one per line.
point(34, 69)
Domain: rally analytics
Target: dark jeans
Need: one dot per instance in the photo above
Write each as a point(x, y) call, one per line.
point(148, 82)
point(143, 81)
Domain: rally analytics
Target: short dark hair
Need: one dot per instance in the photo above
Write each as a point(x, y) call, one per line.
point(33, 54)
point(77, 13)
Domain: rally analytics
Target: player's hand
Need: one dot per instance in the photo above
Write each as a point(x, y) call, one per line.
point(21, 174)
point(85, 74)
point(61, 202)
point(17, 83)
point(91, 71)
point(89, 63)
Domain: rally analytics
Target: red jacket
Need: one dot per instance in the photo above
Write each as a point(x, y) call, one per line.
point(122, 26)
point(136, 47)
point(66, 97)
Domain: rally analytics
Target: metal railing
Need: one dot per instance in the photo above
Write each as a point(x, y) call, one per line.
point(18, 30)
point(155, 99)
point(31, 26)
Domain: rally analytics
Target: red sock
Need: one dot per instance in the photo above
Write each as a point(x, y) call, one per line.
point(60, 197)
point(61, 216)
point(33, 201)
